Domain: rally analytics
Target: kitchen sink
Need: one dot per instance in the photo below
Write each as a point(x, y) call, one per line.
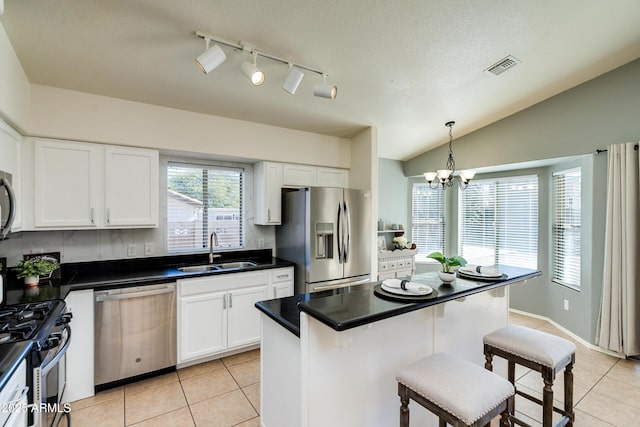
point(198, 268)
point(217, 267)
point(237, 264)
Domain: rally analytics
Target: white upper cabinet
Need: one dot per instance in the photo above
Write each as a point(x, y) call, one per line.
point(67, 183)
point(271, 177)
point(298, 175)
point(332, 177)
point(267, 186)
point(294, 176)
point(78, 185)
point(130, 187)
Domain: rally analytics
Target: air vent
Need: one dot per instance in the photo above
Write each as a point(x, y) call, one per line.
point(503, 65)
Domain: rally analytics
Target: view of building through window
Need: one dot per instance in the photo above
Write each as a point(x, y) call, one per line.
point(202, 200)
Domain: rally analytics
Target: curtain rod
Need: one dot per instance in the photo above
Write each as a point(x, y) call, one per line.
point(599, 151)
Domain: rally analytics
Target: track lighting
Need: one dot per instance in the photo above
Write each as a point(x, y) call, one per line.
point(325, 91)
point(211, 58)
point(252, 71)
point(293, 80)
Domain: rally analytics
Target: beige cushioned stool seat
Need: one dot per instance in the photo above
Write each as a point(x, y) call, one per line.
point(530, 344)
point(465, 390)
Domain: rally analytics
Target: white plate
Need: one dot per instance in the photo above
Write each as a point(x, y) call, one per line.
point(399, 291)
point(482, 275)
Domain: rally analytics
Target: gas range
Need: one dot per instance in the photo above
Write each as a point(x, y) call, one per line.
point(32, 321)
point(46, 325)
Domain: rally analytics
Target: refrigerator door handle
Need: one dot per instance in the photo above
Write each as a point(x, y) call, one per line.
point(339, 233)
point(347, 223)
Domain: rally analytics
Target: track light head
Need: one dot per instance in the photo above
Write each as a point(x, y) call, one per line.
point(325, 91)
point(211, 58)
point(293, 80)
point(253, 72)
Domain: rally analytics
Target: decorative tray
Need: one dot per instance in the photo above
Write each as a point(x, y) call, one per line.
point(379, 292)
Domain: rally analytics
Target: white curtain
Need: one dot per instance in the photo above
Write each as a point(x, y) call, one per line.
point(619, 320)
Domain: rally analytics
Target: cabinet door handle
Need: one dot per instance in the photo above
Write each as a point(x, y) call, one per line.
point(282, 276)
point(230, 300)
point(92, 214)
point(268, 214)
point(108, 215)
point(224, 302)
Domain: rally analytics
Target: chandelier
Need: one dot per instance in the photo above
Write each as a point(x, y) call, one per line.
point(445, 177)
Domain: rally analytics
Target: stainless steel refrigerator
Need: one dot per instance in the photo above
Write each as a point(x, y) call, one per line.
point(326, 232)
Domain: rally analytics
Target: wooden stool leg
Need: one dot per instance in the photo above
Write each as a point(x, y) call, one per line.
point(403, 392)
point(488, 356)
point(568, 394)
point(547, 403)
point(442, 423)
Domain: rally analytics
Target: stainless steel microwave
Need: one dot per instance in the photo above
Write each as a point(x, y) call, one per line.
point(7, 204)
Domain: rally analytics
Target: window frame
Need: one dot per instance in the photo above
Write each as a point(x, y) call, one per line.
point(577, 241)
point(240, 216)
point(422, 256)
point(501, 222)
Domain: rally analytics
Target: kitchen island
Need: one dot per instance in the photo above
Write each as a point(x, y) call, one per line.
point(330, 358)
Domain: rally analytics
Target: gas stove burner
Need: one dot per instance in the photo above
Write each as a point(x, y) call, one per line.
point(5, 337)
point(24, 329)
point(26, 321)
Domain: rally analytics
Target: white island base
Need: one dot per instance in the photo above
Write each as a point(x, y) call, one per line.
point(327, 378)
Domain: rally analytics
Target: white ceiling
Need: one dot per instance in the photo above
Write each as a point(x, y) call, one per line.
point(404, 66)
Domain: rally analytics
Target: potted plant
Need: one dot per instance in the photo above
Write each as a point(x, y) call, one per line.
point(32, 268)
point(446, 275)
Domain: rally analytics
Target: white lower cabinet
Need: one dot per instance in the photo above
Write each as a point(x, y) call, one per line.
point(217, 313)
point(202, 324)
point(243, 318)
point(282, 281)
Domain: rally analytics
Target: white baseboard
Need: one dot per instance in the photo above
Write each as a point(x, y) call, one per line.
point(571, 334)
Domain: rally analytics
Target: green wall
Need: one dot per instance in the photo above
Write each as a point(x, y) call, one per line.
point(593, 115)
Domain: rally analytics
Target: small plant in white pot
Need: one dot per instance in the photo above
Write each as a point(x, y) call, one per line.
point(446, 275)
point(32, 269)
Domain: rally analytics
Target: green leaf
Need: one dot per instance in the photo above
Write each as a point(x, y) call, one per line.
point(438, 257)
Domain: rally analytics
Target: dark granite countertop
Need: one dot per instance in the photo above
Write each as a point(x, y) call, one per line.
point(134, 272)
point(353, 306)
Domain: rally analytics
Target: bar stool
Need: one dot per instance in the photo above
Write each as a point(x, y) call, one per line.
point(456, 391)
point(542, 352)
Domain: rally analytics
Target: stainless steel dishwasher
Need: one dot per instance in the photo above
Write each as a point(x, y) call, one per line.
point(135, 331)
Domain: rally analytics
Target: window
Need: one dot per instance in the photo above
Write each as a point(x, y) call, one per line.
point(498, 222)
point(202, 200)
point(566, 227)
point(427, 218)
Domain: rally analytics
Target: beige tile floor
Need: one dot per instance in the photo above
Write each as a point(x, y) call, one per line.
point(222, 393)
point(606, 389)
point(226, 393)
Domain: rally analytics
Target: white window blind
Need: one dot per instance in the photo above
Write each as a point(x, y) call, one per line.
point(566, 227)
point(498, 222)
point(202, 200)
point(427, 218)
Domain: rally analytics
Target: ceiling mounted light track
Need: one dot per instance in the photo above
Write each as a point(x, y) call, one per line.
point(252, 71)
point(294, 78)
point(211, 58)
point(325, 91)
point(257, 77)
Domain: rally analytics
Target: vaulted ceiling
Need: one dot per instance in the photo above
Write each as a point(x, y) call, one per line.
point(406, 67)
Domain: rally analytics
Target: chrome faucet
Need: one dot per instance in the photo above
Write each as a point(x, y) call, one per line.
point(212, 237)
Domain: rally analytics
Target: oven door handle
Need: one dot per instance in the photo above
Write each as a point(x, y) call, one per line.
point(48, 365)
